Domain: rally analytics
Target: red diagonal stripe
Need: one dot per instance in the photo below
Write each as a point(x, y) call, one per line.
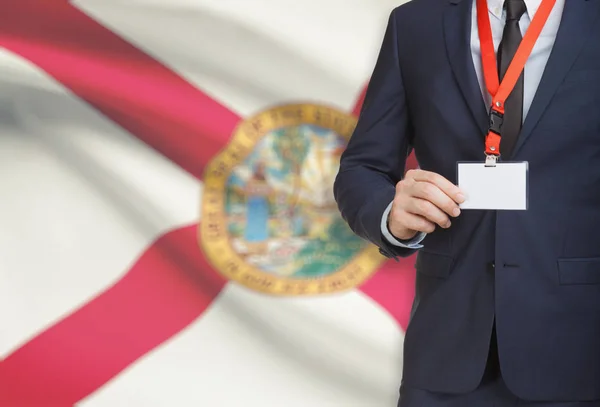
point(168, 287)
point(172, 283)
point(393, 288)
point(359, 102)
point(128, 86)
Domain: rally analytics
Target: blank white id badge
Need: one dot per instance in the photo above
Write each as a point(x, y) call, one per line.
point(503, 186)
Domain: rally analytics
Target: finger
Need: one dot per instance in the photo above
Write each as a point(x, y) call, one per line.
point(429, 211)
point(442, 183)
point(433, 194)
point(413, 222)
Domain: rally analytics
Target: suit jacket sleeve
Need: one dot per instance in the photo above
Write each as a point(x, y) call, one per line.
point(376, 155)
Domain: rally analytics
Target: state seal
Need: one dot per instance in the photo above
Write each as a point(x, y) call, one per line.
point(269, 220)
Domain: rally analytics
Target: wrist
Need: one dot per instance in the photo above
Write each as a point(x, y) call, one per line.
point(404, 234)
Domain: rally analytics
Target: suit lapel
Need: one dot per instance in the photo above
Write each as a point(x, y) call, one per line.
point(577, 20)
point(457, 34)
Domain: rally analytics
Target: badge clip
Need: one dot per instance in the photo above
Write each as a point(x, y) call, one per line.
point(491, 160)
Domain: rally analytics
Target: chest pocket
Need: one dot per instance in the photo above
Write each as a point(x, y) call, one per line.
point(579, 271)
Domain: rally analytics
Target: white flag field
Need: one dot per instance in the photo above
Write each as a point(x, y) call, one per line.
point(169, 234)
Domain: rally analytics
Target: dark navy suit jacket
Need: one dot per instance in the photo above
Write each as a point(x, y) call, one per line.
point(544, 290)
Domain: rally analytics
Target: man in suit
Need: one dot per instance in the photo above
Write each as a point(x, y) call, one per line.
point(507, 305)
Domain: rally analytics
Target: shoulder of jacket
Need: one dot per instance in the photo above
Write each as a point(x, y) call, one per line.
point(414, 7)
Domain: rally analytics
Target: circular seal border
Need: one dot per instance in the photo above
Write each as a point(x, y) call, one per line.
point(213, 235)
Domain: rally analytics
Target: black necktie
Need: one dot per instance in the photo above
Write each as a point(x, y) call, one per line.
point(513, 107)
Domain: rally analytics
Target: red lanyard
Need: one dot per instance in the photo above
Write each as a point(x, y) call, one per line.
point(501, 91)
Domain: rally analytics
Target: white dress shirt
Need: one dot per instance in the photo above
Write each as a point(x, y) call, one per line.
point(534, 68)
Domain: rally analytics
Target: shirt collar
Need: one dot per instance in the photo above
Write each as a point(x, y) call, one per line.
point(495, 7)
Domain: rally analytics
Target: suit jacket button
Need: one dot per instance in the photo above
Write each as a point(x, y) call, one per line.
point(384, 253)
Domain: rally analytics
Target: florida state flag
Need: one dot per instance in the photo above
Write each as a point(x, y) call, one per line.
point(169, 235)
